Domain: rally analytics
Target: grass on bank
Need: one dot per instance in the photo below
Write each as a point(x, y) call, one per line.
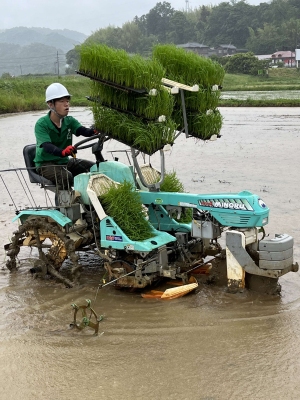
point(21, 94)
point(276, 79)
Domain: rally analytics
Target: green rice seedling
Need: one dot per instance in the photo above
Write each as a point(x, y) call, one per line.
point(188, 66)
point(204, 126)
point(153, 106)
point(147, 137)
point(158, 134)
point(201, 101)
point(123, 204)
point(201, 125)
point(109, 95)
point(145, 106)
point(117, 66)
point(196, 102)
point(171, 183)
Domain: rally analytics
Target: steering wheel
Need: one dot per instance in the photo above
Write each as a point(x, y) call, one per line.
point(79, 145)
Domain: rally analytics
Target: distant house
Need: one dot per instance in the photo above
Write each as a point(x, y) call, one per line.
point(287, 57)
point(225, 50)
point(206, 51)
point(197, 48)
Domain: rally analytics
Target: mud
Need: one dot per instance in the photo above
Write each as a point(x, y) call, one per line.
point(208, 345)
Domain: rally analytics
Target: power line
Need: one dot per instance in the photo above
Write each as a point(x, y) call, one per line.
point(38, 57)
point(7, 64)
point(49, 63)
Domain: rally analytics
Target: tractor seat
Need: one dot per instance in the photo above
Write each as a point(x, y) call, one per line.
point(34, 177)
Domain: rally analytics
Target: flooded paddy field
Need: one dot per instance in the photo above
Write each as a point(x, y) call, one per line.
point(261, 95)
point(209, 345)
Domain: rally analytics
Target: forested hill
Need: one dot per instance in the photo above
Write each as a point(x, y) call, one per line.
point(60, 38)
point(36, 50)
point(262, 29)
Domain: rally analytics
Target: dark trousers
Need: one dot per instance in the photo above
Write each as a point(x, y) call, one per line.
point(62, 175)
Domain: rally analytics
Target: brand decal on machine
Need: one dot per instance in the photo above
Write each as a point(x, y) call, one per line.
point(237, 204)
point(114, 238)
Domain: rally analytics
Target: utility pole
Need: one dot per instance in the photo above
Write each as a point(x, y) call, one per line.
point(21, 69)
point(187, 7)
point(57, 63)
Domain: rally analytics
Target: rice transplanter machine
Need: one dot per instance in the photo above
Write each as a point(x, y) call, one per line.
point(78, 222)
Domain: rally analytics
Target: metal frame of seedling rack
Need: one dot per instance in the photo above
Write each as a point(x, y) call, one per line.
point(174, 88)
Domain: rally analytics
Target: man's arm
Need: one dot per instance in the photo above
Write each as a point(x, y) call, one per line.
point(87, 132)
point(51, 149)
point(56, 151)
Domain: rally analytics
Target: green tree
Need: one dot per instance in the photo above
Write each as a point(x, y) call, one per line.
point(72, 58)
point(265, 41)
point(158, 20)
point(231, 22)
point(6, 75)
point(228, 23)
point(243, 63)
point(130, 38)
point(218, 59)
point(109, 36)
point(295, 8)
point(291, 34)
point(141, 23)
point(177, 28)
point(279, 11)
point(201, 15)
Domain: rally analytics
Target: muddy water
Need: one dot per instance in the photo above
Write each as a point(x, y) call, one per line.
point(209, 345)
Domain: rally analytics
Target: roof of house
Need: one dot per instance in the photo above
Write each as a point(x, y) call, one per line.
point(226, 46)
point(264, 56)
point(192, 44)
point(283, 54)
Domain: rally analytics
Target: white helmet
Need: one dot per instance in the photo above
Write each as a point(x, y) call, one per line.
point(56, 91)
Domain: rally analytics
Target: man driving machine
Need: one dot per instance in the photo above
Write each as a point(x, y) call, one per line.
point(54, 133)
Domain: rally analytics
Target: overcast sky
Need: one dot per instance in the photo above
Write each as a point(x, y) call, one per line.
point(84, 16)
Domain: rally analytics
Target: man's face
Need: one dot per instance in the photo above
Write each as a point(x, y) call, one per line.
point(62, 106)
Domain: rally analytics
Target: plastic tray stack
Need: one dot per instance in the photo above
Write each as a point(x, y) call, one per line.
point(139, 101)
point(130, 104)
point(200, 106)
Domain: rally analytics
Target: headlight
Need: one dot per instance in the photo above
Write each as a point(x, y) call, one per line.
point(262, 203)
point(265, 221)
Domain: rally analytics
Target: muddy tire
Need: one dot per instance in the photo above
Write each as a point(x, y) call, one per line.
point(33, 233)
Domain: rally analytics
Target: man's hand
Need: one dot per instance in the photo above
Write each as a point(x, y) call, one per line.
point(69, 151)
point(95, 131)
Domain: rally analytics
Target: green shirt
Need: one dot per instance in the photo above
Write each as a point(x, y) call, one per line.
point(46, 131)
